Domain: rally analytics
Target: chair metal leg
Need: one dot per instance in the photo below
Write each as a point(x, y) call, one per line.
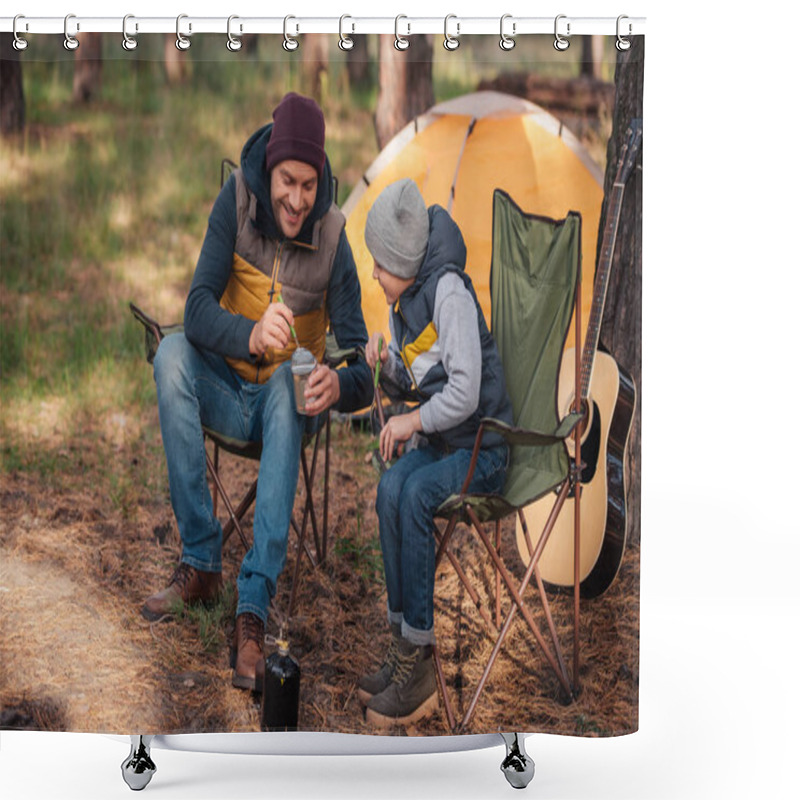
point(325, 487)
point(517, 766)
point(448, 708)
point(470, 589)
point(518, 602)
point(138, 768)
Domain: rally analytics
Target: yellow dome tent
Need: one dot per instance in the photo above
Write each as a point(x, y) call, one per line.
point(458, 153)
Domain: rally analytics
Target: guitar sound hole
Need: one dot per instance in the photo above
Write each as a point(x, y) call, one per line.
point(590, 449)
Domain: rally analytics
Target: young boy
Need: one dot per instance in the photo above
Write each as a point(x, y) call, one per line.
point(442, 356)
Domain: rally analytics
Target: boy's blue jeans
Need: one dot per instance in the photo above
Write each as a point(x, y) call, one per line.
point(408, 495)
point(197, 388)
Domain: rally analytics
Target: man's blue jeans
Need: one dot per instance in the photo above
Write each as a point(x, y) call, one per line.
point(197, 388)
point(408, 495)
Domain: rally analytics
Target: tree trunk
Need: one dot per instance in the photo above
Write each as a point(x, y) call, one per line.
point(358, 62)
point(405, 84)
point(87, 79)
point(621, 330)
point(175, 64)
point(315, 52)
point(592, 56)
point(12, 97)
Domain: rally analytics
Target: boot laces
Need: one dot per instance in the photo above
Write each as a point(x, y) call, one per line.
point(182, 575)
point(404, 666)
point(252, 627)
point(391, 656)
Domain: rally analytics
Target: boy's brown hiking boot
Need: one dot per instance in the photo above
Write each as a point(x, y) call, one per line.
point(412, 694)
point(373, 684)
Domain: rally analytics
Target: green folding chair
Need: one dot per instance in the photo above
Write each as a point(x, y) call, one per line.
point(535, 291)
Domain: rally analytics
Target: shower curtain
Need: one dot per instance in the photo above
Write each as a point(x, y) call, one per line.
point(111, 163)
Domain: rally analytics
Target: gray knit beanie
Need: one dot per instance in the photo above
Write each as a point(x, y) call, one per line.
point(396, 232)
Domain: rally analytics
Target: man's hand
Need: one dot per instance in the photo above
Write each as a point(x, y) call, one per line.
point(375, 345)
point(272, 330)
point(398, 429)
point(322, 390)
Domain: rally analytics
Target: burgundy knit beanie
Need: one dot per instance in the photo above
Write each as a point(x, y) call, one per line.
point(298, 133)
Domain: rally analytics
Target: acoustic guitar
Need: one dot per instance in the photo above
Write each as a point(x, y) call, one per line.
point(608, 396)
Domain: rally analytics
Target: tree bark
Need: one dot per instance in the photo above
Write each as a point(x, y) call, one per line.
point(358, 61)
point(12, 97)
point(584, 95)
point(87, 79)
point(405, 84)
point(621, 330)
point(592, 56)
point(316, 55)
point(175, 63)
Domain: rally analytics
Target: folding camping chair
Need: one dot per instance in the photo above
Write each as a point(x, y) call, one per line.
point(535, 285)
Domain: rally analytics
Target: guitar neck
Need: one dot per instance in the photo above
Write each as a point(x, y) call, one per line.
point(600, 287)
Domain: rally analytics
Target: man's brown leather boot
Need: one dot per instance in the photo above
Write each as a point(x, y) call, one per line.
point(249, 650)
point(187, 586)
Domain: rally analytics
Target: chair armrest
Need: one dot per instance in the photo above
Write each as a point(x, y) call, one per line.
point(153, 332)
point(518, 436)
point(335, 355)
point(525, 437)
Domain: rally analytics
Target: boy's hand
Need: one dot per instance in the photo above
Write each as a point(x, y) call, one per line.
point(375, 345)
point(398, 429)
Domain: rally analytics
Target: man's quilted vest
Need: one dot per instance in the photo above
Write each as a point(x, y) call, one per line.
point(265, 268)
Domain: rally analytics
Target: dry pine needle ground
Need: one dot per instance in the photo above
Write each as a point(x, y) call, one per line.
point(77, 655)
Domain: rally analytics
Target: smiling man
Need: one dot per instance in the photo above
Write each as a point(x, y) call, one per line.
point(275, 257)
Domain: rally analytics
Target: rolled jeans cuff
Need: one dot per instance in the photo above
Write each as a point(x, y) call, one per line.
point(418, 637)
point(200, 564)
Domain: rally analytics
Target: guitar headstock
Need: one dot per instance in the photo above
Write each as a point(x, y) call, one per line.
point(630, 150)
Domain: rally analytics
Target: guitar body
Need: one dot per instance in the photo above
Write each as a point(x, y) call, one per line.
point(604, 439)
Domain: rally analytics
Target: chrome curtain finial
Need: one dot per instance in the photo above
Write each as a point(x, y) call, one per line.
point(518, 766)
point(138, 768)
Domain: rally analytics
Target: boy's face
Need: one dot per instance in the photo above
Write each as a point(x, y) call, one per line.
point(293, 187)
point(392, 286)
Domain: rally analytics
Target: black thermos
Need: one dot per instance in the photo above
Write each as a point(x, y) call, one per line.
point(280, 698)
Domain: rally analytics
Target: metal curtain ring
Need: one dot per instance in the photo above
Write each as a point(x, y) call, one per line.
point(560, 42)
point(128, 42)
point(234, 42)
point(182, 42)
point(507, 42)
point(70, 42)
point(622, 43)
point(400, 42)
point(290, 44)
point(451, 42)
point(345, 42)
point(19, 43)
